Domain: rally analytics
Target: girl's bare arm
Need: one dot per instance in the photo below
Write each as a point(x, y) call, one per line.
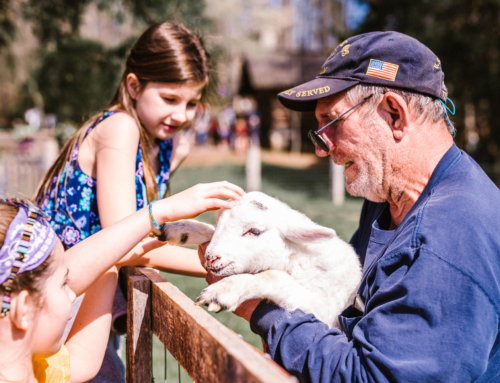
point(87, 340)
point(115, 141)
point(98, 253)
point(113, 144)
point(173, 259)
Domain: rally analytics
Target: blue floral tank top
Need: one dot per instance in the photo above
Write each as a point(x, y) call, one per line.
point(73, 213)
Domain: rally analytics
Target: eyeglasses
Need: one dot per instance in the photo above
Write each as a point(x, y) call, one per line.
point(319, 141)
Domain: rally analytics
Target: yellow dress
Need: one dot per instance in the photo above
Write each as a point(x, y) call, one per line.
point(54, 369)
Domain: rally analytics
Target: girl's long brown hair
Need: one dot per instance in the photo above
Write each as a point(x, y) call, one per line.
point(166, 53)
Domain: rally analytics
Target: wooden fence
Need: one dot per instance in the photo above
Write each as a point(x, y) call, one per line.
point(208, 351)
point(20, 175)
point(22, 167)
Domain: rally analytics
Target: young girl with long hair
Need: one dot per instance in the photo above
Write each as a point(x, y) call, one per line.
point(39, 281)
point(122, 158)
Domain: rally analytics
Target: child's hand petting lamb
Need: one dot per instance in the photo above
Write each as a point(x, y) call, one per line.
point(267, 250)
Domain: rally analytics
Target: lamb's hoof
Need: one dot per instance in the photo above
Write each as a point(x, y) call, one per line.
point(200, 302)
point(214, 307)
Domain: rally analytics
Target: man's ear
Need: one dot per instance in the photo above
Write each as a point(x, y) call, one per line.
point(133, 85)
point(397, 114)
point(19, 313)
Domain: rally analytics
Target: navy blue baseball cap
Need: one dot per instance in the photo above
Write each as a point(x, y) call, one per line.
point(388, 59)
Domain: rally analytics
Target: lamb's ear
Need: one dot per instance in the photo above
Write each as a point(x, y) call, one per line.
point(301, 229)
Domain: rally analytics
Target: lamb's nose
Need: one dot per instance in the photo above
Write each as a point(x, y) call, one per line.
point(211, 261)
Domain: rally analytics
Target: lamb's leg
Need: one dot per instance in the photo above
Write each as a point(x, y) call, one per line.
point(276, 286)
point(187, 232)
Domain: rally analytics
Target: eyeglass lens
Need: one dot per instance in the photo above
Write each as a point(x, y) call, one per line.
point(318, 141)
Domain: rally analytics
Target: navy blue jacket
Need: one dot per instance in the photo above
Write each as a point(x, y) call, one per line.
point(431, 290)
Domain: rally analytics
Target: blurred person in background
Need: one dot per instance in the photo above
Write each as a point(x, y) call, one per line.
point(121, 159)
point(202, 125)
point(213, 131)
point(240, 135)
point(254, 128)
point(428, 307)
point(226, 121)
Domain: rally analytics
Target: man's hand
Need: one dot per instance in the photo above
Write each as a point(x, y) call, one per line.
point(210, 278)
point(201, 254)
point(246, 309)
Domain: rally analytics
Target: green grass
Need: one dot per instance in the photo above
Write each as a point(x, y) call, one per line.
point(304, 190)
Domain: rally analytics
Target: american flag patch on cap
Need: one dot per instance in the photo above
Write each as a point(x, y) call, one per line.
point(382, 69)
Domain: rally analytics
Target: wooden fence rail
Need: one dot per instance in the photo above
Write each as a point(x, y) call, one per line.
point(208, 351)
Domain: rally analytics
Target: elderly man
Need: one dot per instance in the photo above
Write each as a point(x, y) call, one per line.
point(428, 308)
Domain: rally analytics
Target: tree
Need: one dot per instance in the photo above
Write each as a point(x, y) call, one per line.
point(73, 77)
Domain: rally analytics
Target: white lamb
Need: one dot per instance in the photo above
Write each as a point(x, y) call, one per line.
point(268, 250)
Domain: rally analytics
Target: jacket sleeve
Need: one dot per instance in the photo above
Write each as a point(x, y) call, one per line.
point(425, 321)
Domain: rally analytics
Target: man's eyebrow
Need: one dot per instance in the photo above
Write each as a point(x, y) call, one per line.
point(331, 116)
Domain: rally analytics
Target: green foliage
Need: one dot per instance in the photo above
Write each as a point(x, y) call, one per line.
point(75, 77)
point(54, 19)
point(7, 28)
point(189, 12)
point(465, 35)
point(77, 80)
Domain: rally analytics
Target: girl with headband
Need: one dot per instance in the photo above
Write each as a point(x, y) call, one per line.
point(39, 281)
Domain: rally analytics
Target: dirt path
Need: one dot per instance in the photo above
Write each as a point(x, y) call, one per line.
point(211, 155)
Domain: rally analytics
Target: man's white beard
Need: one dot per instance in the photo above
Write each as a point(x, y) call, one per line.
point(369, 180)
point(367, 184)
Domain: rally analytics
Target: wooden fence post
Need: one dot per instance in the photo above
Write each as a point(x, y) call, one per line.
point(139, 329)
point(253, 167)
point(338, 183)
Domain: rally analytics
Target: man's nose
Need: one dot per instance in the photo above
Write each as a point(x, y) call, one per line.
point(320, 152)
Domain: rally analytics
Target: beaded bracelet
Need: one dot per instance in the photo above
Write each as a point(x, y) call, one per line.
point(150, 207)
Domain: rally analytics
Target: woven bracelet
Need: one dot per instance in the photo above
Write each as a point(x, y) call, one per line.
point(150, 207)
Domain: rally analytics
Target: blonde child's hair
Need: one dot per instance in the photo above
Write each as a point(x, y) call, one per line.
point(166, 53)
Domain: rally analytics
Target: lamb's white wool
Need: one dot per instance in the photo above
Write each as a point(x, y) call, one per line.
point(268, 250)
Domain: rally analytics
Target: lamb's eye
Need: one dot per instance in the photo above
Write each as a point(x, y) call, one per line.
point(252, 231)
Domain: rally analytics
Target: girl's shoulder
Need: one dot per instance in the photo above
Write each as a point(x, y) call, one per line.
point(117, 131)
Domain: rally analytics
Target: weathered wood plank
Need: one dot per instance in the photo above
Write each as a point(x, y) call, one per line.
point(139, 329)
point(208, 351)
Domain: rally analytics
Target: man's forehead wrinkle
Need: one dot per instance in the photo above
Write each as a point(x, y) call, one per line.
point(332, 106)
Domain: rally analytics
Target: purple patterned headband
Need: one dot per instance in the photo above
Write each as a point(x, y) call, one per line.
point(28, 242)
